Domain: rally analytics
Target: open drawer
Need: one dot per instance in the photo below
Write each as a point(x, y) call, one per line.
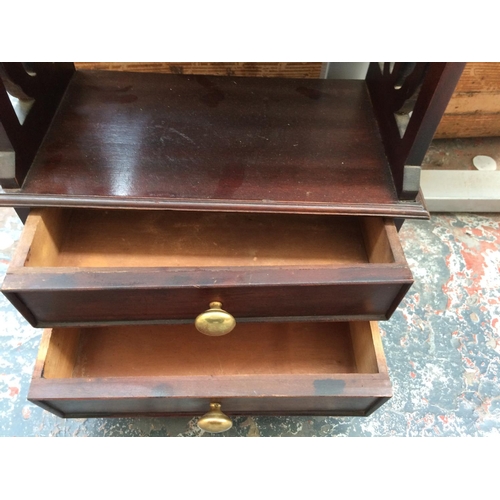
point(96, 267)
point(322, 368)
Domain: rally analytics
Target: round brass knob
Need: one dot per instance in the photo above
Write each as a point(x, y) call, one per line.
point(215, 321)
point(215, 421)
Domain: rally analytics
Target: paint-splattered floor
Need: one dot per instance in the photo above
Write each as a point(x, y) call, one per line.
point(442, 346)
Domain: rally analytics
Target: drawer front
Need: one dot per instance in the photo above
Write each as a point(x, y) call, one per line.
point(348, 301)
point(281, 369)
point(334, 406)
point(63, 274)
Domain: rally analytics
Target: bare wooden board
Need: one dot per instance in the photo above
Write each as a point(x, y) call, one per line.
point(479, 77)
point(261, 69)
point(469, 125)
point(62, 353)
point(474, 108)
point(123, 238)
point(363, 344)
point(179, 350)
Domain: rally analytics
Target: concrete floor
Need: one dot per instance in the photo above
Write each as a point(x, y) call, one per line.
point(458, 154)
point(442, 347)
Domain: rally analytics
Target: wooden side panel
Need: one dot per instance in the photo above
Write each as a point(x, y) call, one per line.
point(376, 241)
point(261, 69)
point(50, 226)
point(378, 347)
point(61, 355)
point(391, 229)
point(42, 354)
point(41, 238)
point(364, 350)
point(24, 246)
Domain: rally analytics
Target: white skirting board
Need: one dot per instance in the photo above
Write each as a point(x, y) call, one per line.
point(461, 190)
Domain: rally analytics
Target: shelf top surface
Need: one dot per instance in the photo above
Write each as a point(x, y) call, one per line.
point(196, 142)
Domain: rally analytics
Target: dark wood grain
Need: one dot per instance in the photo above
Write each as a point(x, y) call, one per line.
point(69, 406)
point(159, 296)
point(281, 391)
point(241, 144)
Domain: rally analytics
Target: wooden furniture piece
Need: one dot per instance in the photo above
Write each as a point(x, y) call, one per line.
point(157, 200)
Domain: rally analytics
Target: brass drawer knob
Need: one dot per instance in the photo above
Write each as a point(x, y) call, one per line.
point(215, 321)
point(215, 421)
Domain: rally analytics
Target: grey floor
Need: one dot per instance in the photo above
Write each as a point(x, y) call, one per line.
point(442, 347)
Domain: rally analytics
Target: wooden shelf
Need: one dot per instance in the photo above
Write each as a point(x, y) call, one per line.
point(140, 140)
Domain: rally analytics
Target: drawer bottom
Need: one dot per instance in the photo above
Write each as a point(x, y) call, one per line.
point(335, 369)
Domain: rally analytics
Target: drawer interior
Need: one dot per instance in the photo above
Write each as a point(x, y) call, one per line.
point(179, 350)
point(149, 238)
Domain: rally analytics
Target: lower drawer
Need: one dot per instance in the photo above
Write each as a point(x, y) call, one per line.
point(335, 369)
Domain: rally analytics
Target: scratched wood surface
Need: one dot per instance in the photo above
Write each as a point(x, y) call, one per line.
point(214, 143)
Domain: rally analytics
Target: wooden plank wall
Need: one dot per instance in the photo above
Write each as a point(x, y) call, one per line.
point(474, 109)
point(270, 69)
